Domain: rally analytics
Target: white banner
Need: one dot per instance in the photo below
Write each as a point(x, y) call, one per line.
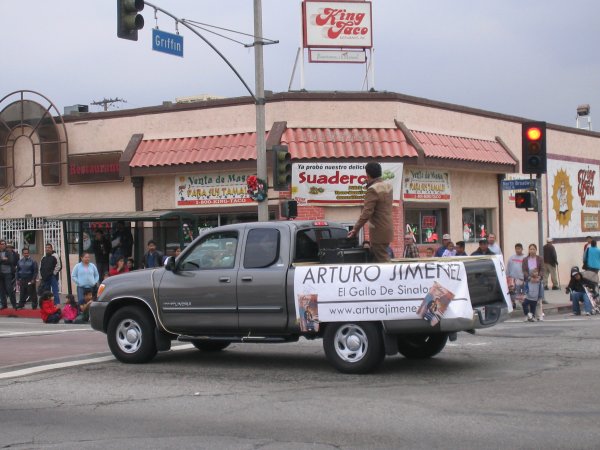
point(337, 24)
point(338, 183)
point(215, 189)
point(573, 198)
point(426, 185)
point(431, 291)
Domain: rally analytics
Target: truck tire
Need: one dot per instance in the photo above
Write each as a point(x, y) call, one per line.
point(353, 347)
point(421, 346)
point(211, 346)
point(131, 335)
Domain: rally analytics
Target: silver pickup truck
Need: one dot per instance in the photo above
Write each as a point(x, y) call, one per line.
point(262, 283)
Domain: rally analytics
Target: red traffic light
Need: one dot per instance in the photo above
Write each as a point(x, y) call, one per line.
point(525, 200)
point(533, 134)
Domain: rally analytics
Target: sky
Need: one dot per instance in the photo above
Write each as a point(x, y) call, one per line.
point(536, 59)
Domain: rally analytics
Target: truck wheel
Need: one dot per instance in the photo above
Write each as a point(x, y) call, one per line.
point(131, 335)
point(421, 346)
point(210, 346)
point(353, 347)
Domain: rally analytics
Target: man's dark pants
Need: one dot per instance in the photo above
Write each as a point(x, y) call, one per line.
point(27, 291)
point(7, 289)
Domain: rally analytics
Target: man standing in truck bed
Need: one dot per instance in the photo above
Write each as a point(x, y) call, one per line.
point(377, 210)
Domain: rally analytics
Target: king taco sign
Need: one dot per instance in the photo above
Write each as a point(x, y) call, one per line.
point(337, 24)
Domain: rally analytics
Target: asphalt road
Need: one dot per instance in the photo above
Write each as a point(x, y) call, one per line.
point(518, 385)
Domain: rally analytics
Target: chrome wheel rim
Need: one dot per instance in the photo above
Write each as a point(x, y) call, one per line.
point(129, 336)
point(351, 343)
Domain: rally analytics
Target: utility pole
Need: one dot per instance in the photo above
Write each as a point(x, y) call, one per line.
point(259, 75)
point(108, 101)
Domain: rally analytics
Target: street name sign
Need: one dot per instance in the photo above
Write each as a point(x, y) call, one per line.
point(169, 43)
point(516, 185)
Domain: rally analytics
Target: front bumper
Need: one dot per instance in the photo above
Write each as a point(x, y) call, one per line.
point(97, 312)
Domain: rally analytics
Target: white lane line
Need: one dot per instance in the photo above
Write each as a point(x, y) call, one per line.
point(34, 333)
point(465, 344)
point(62, 365)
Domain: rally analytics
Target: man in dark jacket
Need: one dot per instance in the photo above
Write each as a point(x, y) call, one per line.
point(8, 264)
point(577, 292)
point(102, 247)
point(483, 248)
point(27, 271)
point(152, 258)
point(50, 267)
point(377, 210)
point(550, 265)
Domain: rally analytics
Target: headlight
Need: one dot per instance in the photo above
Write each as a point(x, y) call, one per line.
point(100, 290)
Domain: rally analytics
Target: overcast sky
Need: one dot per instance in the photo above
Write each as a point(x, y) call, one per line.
point(531, 58)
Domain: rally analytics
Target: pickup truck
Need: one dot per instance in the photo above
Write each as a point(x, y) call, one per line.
point(263, 283)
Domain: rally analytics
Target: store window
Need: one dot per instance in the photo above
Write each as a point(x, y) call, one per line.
point(477, 224)
point(427, 225)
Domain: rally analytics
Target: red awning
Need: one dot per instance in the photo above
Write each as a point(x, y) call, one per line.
point(194, 150)
point(312, 143)
point(460, 148)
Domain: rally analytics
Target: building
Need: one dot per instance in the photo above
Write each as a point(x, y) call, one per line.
point(64, 177)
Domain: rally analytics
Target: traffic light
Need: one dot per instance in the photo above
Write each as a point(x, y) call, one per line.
point(534, 147)
point(526, 200)
point(282, 168)
point(128, 19)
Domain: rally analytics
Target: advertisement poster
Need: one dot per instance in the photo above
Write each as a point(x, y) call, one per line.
point(227, 188)
point(338, 184)
point(426, 185)
point(573, 198)
point(337, 24)
point(429, 291)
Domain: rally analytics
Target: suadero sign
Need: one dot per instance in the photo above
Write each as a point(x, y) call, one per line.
point(337, 24)
point(338, 184)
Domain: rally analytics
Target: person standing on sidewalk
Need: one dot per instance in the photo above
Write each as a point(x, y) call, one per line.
point(550, 265)
point(532, 263)
point(410, 248)
point(85, 276)
point(377, 211)
point(27, 272)
point(102, 247)
point(514, 270)
point(8, 263)
point(493, 245)
point(591, 258)
point(50, 267)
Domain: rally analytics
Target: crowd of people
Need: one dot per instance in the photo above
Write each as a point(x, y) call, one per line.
point(22, 276)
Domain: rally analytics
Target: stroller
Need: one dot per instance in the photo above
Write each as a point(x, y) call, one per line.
point(590, 285)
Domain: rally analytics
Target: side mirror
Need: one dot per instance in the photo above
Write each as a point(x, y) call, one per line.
point(170, 264)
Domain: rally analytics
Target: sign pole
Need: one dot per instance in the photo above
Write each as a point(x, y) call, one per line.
point(261, 150)
point(540, 216)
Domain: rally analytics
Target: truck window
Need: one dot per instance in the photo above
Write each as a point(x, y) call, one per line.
point(262, 248)
point(307, 242)
point(215, 251)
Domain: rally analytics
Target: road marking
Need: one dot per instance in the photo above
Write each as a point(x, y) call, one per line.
point(33, 333)
point(465, 344)
point(62, 365)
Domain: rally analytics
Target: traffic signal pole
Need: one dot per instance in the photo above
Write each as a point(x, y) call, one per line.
point(540, 215)
point(259, 81)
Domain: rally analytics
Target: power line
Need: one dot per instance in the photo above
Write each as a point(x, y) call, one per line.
point(105, 102)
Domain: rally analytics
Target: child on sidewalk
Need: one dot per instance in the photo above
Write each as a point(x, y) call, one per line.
point(71, 309)
point(49, 312)
point(84, 308)
point(532, 295)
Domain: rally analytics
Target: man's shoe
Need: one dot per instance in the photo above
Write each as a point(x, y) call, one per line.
point(555, 288)
point(588, 314)
point(545, 288)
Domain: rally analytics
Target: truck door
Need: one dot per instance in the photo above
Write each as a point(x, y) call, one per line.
point(262, 282)
point(199, 295)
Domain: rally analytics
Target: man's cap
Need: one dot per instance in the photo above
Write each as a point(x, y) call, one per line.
point(483, 241)
point(446, 236)
point(574, 271)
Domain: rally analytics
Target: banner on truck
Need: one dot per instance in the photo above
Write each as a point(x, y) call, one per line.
point(430, 291)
